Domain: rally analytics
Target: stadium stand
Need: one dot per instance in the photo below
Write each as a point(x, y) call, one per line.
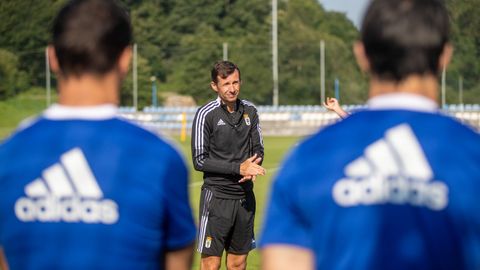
point(284, 120)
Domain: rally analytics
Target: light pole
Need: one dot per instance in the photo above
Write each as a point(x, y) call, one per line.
point(460, 94)
point(225, 51)
point(154, 91)
point(337, 89)
point(135, 76)
point(47, 75)
point(322, 71)
point(275, 52)
point(444, 75)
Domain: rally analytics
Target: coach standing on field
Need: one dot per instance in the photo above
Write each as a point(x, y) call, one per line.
point(227, 146)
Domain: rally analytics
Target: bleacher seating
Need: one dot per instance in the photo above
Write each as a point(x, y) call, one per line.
point(280, 120)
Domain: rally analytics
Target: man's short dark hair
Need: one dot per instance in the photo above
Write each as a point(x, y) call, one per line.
point(90, 35)
point(404, 37)
point(223, 69)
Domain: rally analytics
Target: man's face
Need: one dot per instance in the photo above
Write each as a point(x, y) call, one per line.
point(228, 88)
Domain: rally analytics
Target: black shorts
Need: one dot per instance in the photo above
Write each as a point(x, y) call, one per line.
point(225, 224)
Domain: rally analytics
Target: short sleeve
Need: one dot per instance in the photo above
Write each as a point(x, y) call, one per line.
point(179, 225)
point(283, 222)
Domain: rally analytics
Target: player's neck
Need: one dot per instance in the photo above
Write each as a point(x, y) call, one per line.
point(89, 90)
point(426, 86)
point(231, 106)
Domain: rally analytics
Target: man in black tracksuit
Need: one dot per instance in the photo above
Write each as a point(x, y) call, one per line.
point(227, 146)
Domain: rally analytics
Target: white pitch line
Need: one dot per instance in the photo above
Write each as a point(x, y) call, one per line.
point(199, 183)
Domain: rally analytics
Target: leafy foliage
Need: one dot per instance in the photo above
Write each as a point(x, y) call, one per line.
point(179, 40)
point(11, 78)
point(466, 42)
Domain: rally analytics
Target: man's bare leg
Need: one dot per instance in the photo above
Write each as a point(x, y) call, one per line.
point(3, 260)
point(236, 262)
point(210, 262)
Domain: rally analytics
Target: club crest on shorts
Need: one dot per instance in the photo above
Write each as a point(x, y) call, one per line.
point(247, 119)
point(208, 242)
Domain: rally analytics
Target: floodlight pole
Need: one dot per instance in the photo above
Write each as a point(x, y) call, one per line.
point(275, 52)
point(225, 51)
point(47, 77)
point(460, 89)
point(322, 71)
point(135, 77)
point(337, 89)
point(154, 91)
point(443, 87)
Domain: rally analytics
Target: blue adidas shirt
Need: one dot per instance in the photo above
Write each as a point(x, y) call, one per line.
point(82, 189)
point(387, 188)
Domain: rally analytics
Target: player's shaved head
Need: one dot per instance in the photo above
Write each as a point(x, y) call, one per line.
point(90, 35)
point(404, 37)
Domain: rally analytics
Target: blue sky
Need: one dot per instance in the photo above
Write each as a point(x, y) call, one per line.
point(353, 8)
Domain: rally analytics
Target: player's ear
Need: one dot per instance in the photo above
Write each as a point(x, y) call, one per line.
point(214, 86)
point(445, 57)
point(52, 59)
point(361, 56)
point(124, 60)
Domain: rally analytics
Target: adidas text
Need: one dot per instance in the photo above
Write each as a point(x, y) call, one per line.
point(377, 190)
point(68, 192)
point(393, 169)
point(53, 209)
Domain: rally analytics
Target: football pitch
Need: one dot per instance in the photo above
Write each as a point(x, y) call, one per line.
point(275, 150)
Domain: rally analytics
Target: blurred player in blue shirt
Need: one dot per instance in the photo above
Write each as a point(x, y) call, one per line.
point(80, 187)
point(395, 186)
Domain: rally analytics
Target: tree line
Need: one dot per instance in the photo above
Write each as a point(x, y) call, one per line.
point(179, 40)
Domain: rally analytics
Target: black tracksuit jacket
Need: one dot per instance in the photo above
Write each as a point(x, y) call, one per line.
point(221, 141)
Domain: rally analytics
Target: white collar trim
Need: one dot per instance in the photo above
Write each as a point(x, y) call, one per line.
point(98, 112)
point(404, 101)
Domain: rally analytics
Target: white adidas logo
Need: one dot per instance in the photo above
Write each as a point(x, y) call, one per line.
point(392, 170)
point(68, 192)
point(220, 123)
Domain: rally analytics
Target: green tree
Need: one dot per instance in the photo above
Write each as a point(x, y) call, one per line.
point(466, 42)
point(302, 25)
point(144, 72)
point(179, 40)
point(25, 31)
point(11, 79)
